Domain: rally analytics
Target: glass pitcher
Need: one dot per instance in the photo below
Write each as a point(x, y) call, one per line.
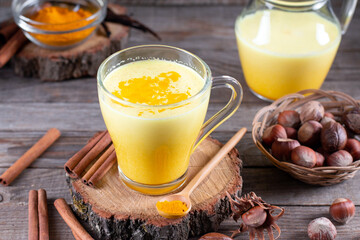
point(289, 45)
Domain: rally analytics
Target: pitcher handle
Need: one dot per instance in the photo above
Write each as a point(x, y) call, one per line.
point(227, 111)
point(347, 12)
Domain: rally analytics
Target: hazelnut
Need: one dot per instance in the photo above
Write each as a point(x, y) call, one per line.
point(351, 120)
point(289, 118)
point(312, 110)
point(303, 156)
point(342, 210)
point(353, 147)
point(321, 229)
point(340, 158)
point(325, 120)
point(272, 133)
point(215, 236)
point(282, 147)
point(333, 137)
point(322, 151)
point(309, 133)
point(291, 132)
point(329, 115)
point(320, 159)
point(255, 217)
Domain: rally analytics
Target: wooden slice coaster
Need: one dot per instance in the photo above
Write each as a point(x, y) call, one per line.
point(80, 61)
point(113, 211)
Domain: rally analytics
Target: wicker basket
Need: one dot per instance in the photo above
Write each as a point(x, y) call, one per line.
point(334, 102)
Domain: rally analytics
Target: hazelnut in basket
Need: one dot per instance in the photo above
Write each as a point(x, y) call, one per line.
point(309, 138)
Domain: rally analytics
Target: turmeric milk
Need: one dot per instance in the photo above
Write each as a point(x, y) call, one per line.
point(282, 52)
point(153, 142)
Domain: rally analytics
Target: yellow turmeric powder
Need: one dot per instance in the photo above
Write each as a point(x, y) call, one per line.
point(59, 18)
point(172, 207)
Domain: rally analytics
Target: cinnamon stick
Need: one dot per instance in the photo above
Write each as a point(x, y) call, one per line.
point(66, 213)
point(97, 164)
point(74, 160)
point(76, 236)
point(105, 167)
point(7, 31)
point(92, 154)
point(43, 215)
point(6, 22)
point(33, 221)
point(31, 155)
point(11, 47)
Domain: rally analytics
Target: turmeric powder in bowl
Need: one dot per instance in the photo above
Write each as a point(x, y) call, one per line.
point(59, 25)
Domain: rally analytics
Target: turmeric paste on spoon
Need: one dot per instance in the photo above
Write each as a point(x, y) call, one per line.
point(172, 207)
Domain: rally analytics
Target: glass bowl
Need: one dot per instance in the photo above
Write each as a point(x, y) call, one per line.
point(59, 36)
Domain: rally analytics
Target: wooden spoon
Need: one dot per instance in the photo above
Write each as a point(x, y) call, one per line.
point(184, 195)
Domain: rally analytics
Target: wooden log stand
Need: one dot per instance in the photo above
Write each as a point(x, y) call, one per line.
point(80, 61)
point(113, 211)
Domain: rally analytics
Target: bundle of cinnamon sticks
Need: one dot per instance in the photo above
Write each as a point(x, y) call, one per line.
point(99, 153)
point(38, 215)
point(11, 40)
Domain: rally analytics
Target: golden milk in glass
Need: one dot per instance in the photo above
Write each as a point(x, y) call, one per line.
point(153, 144)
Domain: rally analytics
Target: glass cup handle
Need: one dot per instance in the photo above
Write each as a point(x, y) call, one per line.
point(227, 111)
point(347, 12)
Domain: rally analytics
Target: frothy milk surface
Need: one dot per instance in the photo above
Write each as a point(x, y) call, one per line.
point(154, 82)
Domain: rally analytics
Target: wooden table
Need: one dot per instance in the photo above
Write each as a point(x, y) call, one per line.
point(29, 107)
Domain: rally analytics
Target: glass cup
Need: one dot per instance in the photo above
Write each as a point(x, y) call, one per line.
point(153, 144)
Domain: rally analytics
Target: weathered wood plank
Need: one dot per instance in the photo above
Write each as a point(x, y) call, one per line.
point(293, 224)
point(87, 117)
point(28, 108)
point(210, 27)
point(15, 89)
point(52, 180)
point(14, 144)
point(152, 3)
point(14, 222)
point(272, 184)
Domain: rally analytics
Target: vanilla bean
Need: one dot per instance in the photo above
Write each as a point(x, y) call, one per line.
point(124, 19)
point(106, 29)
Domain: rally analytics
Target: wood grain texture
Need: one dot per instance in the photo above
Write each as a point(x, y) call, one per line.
point(293, 224)
point(179, 2)
point(111, 205)
point(273, 185)
point(87, 116)
point(14, 144)
point(14, 89)
point(28, 108)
